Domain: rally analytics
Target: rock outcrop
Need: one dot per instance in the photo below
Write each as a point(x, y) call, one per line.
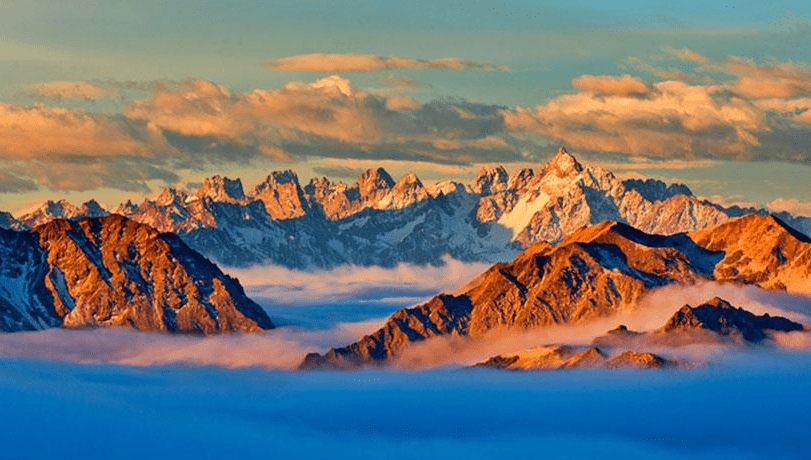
point(571, 357)
point(112, 271)
point(596, 271)
point(379, 221)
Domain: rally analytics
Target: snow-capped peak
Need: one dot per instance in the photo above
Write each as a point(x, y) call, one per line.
point(407, 191)
point(563, 164)
point(169, 196)
point(492, 179)
point(373, 181)
point(220, 188)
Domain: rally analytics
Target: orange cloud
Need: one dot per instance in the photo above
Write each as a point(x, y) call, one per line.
point(762, 113)
point(687, 54)
point(752, 80)
point(674, 120)
point(329, 107)
point(329, 117)
point(338, 63)
point(399, 102)
point(71, 149)
point(40, 131)
point(624, 85)
point(401, 81)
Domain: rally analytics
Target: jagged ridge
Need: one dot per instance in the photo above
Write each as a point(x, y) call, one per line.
point(596, 271)
point(112, 271)
point(379, 221)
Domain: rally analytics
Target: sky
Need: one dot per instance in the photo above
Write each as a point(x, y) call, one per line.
point(118, 99)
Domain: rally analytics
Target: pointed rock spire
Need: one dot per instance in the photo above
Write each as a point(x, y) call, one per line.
point(490, 180)
point(92, 208)
point(169, 196)
point(407, 191)
point(222, 189)
point(282, 195)
point(374, 184)
point(563, 164)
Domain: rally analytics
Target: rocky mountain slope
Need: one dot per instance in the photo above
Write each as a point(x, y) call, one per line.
point(380, 221)
point(570, 357)
point(715, 321)
point(112, 271)
point(596, 271)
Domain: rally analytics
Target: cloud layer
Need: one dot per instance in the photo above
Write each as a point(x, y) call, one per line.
point(72, 90)
point(352, 62)
point(731, 108)
point(197, 123)
point(728, 108)
point(404, 284)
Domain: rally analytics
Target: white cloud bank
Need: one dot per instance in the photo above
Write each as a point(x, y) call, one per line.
point(405, 284)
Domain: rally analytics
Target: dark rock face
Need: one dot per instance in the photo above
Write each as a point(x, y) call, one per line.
point(112, 271)
point(597, 271)
point(719, 316)
point(25, 302)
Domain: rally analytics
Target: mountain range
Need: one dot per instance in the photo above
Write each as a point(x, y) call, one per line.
point(112, 271)
point(715, 321)
point(380, 221)
point(596, 271)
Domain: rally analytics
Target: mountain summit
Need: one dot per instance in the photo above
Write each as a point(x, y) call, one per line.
point(379, 221)
point(112, 271)
point(563, 164)
point(596, 271)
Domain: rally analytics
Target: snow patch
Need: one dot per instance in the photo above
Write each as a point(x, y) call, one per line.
point(522, 213)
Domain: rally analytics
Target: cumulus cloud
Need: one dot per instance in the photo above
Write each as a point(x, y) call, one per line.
point(343, 63)
point(74, 149)
point(719, 113)
point(194, 123)
point(326, 118)
point(624, 85)
point(38, 131)
point(760, 113)
point(674, 120)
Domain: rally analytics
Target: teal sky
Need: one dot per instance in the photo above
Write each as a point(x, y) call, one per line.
point(135, 141)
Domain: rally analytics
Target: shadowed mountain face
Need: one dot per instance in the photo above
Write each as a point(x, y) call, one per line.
point(715, 321)
point(596, 271)
point(112, 271)
point(379, 221)
point(720, 317)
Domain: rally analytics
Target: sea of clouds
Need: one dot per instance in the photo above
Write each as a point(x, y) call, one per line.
point(116, 393)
